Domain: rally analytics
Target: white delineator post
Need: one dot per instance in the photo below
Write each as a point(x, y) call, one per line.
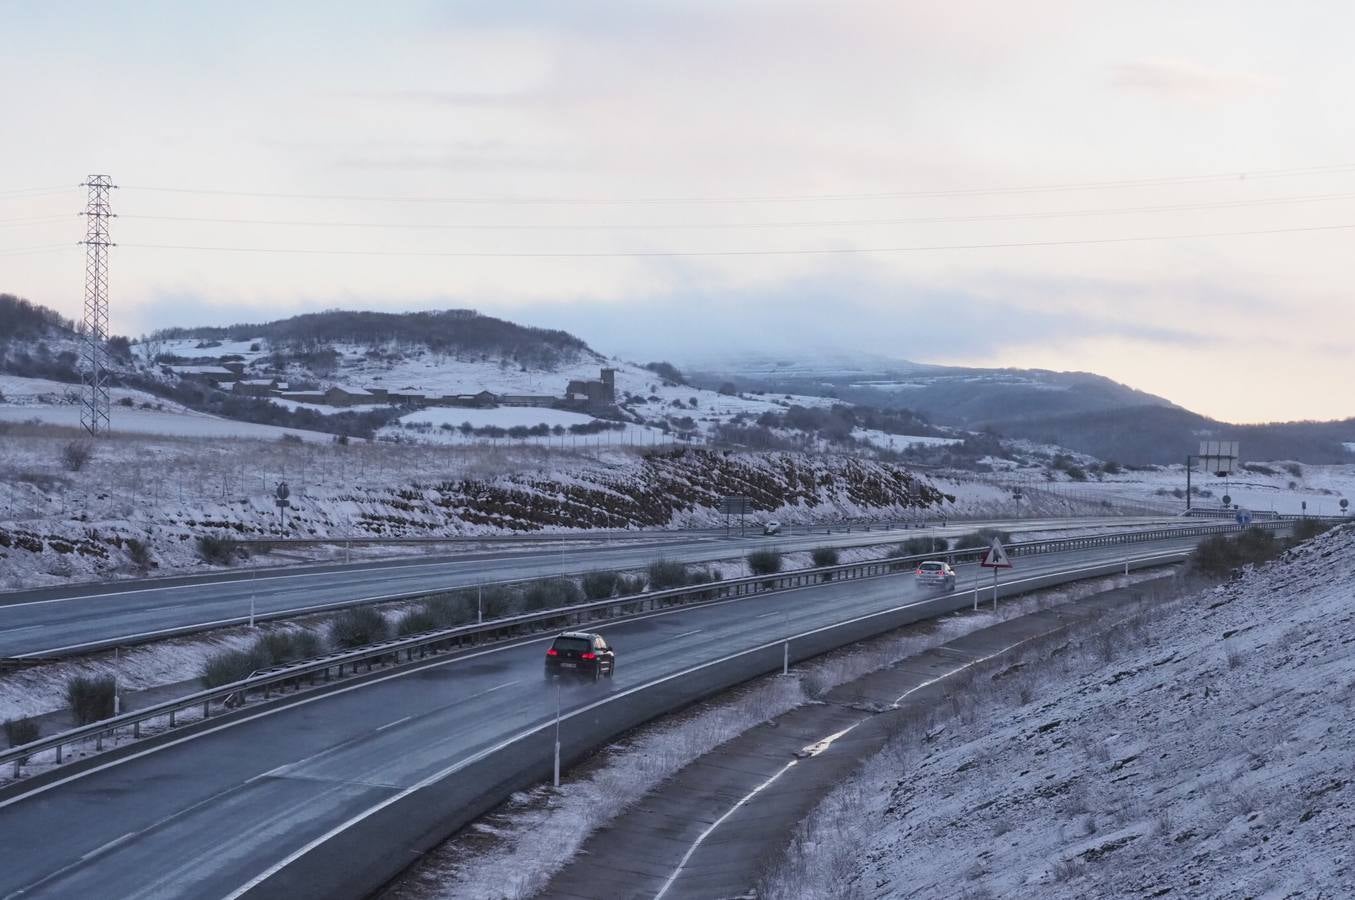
point(555, 781)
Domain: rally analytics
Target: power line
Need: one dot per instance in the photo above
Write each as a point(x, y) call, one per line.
point(45, 248)
point(831, 223)
point(34, 220)
point(471, 254)
point(889, 195)
point(37, 192)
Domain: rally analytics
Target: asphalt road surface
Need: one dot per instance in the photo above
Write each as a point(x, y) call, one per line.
point(206, 815)
point(79, 619)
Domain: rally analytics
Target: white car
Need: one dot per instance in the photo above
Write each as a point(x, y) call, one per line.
point(771, 528)
point(934, 572)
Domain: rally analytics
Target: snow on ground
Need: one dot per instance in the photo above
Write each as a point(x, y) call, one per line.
point(886, 441)
point(26, 393)
point(1281, 487)
point(188, 348)
point(156, 422)
point(1213, 759)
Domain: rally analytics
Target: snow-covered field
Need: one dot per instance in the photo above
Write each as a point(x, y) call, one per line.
point(163, 423)
point(1211, 758)
point(1284, 488)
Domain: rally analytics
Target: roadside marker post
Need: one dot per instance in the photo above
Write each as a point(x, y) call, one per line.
point(995, 558)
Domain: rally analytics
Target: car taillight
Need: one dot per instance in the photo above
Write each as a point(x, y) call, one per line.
point(552, 652)
point(918, 572)
point(589, 656)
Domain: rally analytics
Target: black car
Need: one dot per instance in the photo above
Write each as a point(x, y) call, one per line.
point(580, 653)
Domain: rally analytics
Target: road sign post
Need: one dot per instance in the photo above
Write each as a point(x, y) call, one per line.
point(995, 558)
point(735, 506)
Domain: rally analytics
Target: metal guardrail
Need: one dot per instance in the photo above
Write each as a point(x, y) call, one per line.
point(1259, 515)
point(333, 665)
point(752, 528)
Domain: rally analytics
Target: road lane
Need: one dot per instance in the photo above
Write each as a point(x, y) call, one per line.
point(208, 813)
point(85, 619)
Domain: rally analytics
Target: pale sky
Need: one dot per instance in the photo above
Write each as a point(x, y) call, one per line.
point(563, 135)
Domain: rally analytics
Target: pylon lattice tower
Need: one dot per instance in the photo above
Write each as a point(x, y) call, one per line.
point(93, 348)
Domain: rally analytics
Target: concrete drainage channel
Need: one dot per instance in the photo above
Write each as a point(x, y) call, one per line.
point(360, 855)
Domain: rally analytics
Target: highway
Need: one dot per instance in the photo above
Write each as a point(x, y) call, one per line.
point(220, 813)
point(80, 619)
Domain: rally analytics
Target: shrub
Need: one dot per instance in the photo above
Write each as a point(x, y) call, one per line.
point(90, 697)
point(1214, 556)
point(450, 610)
point(289, 439)
point(357, 627)
point(600, 585)
point(1294, 469)
point(496, 601)
point(1076, 473)
point(138, 554)
point(75, 454)
point(1111, 467)
point(982, 538)
point(764, 562)
point(227, 667)
point(277, 647)
point(627, 587)
point(552, 593)
point(416, 621)
point(825, 556)
point(921, 545)
point(1307, 529)
point(22, 730)
point(1218, 556)
point(666, 573)
point(218, 551)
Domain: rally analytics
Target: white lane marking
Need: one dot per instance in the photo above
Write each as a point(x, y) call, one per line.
point(822, 746)
point(108, 846)
point(508, 742)
point(766, 614)
point(688, 633)
point(686, 857)
point(807, 752)
point(810, 751)
point(393, 724)
point(1114, 565)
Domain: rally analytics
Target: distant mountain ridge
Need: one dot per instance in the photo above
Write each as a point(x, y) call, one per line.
point(1078, 410)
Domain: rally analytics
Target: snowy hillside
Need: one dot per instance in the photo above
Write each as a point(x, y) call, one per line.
point(1211, 759)
point(58, 523)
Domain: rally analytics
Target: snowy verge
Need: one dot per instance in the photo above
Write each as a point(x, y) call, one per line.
point(1203, 752)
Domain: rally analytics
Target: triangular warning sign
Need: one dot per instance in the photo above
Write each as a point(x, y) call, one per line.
point(996, 557)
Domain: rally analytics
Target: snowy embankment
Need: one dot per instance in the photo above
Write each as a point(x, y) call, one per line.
point(1209, 757)
point(58, 525)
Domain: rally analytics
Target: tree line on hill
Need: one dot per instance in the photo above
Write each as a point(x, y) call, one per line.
point(453, 331)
